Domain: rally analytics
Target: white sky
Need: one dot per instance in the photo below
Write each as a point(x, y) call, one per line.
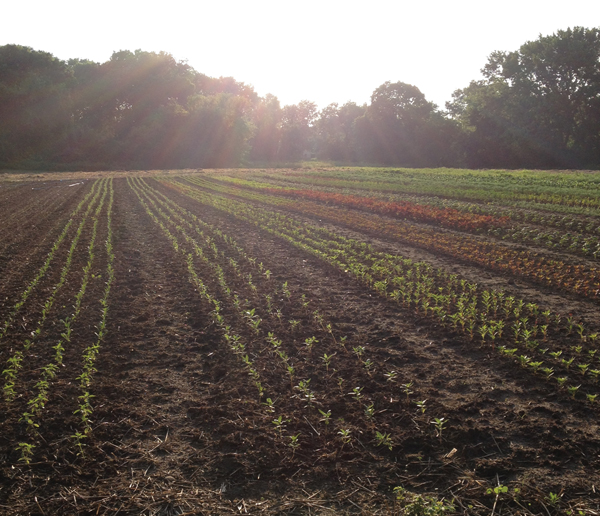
point(325, 51)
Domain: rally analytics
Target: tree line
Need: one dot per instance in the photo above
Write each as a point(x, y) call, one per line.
point(536, 107)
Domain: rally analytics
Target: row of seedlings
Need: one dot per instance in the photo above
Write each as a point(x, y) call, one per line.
point(497, 318)
point(321, 368)
point(48, 372)
point(15, 362)
point(553, 272)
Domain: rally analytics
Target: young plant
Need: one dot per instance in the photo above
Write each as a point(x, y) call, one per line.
point(327, 360)
point(406, 389)
point(294, 443)
point(421, 405)
point(573, 390)
point(26, 450)
point(280, 424)
point(358, 351)
point(326, 416)
point(345, 436)
point(391, 376)
point(270, 404)
point(384, 439)
point(356, 393)
point(440, 424)
point(310, 342)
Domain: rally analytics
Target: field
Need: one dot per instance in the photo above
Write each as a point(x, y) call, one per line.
point(300, 341)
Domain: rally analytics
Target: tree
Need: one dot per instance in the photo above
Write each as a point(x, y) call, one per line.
point(266, 118)
point(541, 104)
point(297, 127)
point(335, 131)
point(401, 127)
point(34, 104)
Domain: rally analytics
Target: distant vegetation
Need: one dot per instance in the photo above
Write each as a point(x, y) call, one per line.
point(537, 107)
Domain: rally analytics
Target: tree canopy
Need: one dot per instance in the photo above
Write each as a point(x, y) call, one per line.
point(537, 107)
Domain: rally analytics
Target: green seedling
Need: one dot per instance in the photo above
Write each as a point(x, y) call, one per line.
point(561, 381)
point(383, 439)
point(305, 302)
point(270, 404)
point(583, 368)
point(356, 393)
point(370, 411)
point(327, 360)
point(567, 363)
point(573, 390)
point(440, 424)
point(294, 443)
point(535, 365)
point(291, 371)
point(345, 435)
point(421, 406)
point(310, 342)
point(369, 364)
point(406, 389)
point(548, 371)
point(358, 351)
point(391, 376)
point(326, 416)
point(497, 490)
point(280, 424)
point(418, 505)
point(26, 450)
point(591, 397)
point(553, 499)
point(79, 437)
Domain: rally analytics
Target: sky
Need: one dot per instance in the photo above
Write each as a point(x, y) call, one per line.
point(324, 51)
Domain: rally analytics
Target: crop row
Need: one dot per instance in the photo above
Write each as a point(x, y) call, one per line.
point(503, 321)
point(45, 266)
point(445, 217)
point(91, 352)
point(15, 362)
point(461, 216)
point(556, 273)
point(37, 391)
point(495, 186)
point(263, 321)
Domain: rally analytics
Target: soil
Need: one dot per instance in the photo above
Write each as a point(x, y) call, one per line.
point(178, 424)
